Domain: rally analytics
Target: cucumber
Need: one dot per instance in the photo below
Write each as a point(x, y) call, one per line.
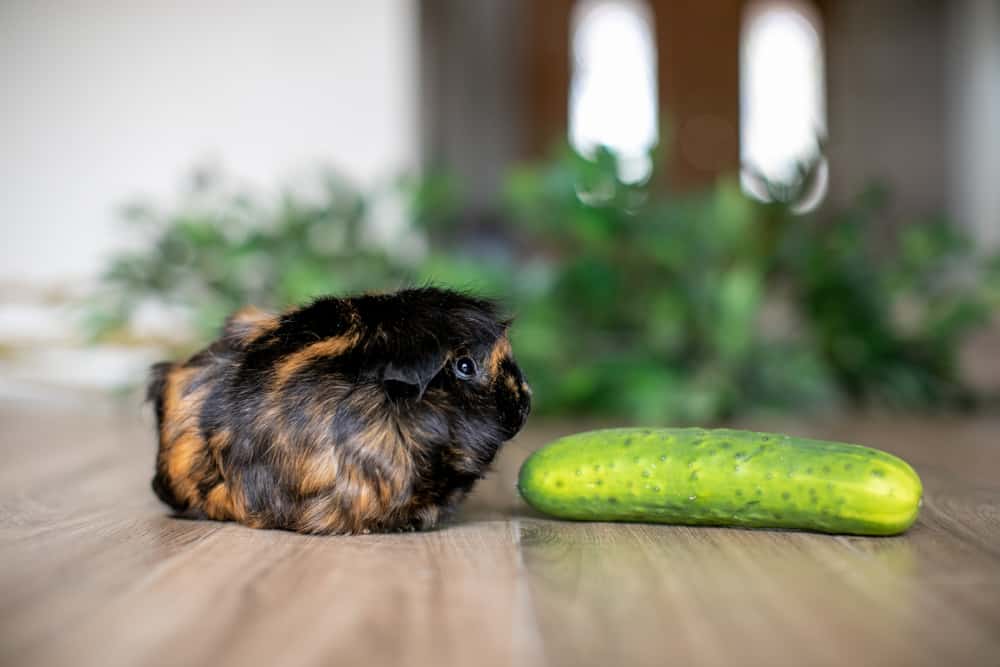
point(722, 478)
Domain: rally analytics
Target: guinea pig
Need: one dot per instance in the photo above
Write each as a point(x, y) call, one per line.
point(369, 413)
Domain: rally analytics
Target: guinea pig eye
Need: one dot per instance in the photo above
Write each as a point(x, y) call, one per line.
point(465, 368)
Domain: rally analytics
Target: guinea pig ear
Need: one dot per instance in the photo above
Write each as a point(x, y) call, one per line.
point(409, 379)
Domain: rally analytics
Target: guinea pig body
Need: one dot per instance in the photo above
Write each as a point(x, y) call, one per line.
point(362, 414)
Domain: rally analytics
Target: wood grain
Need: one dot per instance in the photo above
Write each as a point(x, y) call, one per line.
point(93, 571)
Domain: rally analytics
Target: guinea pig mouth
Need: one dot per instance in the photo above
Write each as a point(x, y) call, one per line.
point(524, 412)
point(515, 417)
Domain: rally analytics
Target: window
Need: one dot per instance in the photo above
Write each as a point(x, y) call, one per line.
point(782, 99)
point(613, 89)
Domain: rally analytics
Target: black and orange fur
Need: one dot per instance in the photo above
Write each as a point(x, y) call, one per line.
point(344, 416)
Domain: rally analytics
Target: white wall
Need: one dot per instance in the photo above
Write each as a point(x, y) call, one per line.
point(974, 116)
point(102, 100)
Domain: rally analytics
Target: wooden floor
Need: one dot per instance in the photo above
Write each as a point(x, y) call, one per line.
point(94, 572)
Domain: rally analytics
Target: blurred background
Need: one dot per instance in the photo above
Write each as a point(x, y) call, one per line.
point(696, 210)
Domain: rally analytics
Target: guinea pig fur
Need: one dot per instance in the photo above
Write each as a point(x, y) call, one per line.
point(349, 415)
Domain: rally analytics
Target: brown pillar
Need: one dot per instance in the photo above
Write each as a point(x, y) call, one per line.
point(548, 75)
point(698, 43)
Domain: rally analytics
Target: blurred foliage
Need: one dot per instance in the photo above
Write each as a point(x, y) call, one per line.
point(220, 248)
point(889, 322)
point(630, 302)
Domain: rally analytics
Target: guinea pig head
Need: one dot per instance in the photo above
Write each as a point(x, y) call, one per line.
point(447, 356)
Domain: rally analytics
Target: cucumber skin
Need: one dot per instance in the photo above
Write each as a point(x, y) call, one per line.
point(722, 477)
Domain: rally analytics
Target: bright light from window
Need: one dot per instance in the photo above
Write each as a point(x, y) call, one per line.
point(613, 91)
point(782, 102)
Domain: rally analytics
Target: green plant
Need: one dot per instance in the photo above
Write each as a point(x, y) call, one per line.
point(889, 318)
point(653, 300)
point(630, 302)
point(220, 248)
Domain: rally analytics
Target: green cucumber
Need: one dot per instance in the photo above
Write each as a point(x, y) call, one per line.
point(722, 478)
